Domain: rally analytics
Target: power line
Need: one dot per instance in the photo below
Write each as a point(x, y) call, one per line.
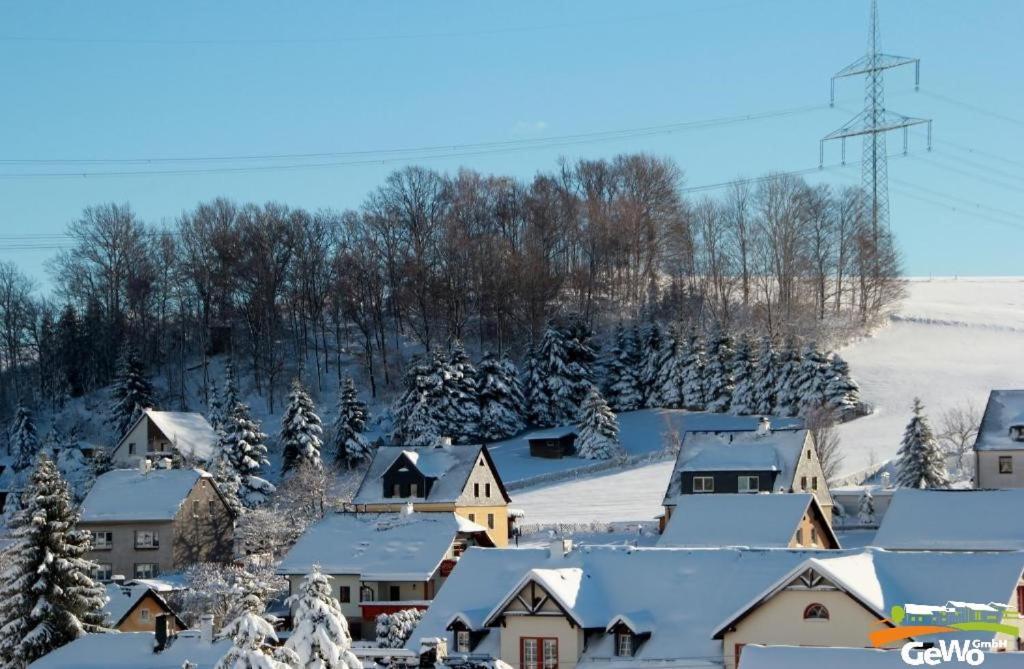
point(973, 107)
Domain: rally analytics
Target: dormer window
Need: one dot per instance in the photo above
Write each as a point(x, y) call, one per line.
point(748, 484)
point(624, 646)
point(462, 641)
point(703, 484)
point(1017, 432)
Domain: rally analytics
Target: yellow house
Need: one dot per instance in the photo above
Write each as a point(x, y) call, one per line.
point(458, 479)
point(137, 608)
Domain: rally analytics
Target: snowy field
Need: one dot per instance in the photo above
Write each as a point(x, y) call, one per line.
point(951, 341)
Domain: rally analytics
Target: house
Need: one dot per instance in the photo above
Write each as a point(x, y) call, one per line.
point(803, 657)
point(999, 446)
point(764, 459)
point(138, 650)
point(136, 608)
point(145, 522)
point(459, 479)
point(759, 521)
point(382, 563)
point(625, 607)
point(165, 434)
point(953, 520)
point(554, 443)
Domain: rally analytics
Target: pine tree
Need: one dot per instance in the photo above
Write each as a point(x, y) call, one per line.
point(668, 385)
point(394, 629)
point(462, 402)
point(417, 414)
point(349, 445)
point(500, 415)
point(249, 633)
point(244, 452)
point(231, 396)
point(214, 408)
point(866, 508)
point(742, 402)
point(920, 461)
point(842, 394)
point(623, 371)
point(694, 397)
point(787, 396)
point(24, 440)
point(582, 359)
point(718, 381)
point(766, 378)
point(598, 437)
point(556, 386)
point(812, 378)
point(48, 596)
point(513, 380)
point(650, 355)
point(132, 393)
point(536, 401)
point(320, 637)
point(301, 430)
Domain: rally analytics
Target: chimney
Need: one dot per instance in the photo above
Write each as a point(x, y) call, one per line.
point(886, 480)
point(161, 632)
point(118, 579)
point(206, 628)
point(166, 463)
point(764, 426)
point(433, 651)
point(145, 465)
point(445, 442)
point(559, 548)
point(407, 509)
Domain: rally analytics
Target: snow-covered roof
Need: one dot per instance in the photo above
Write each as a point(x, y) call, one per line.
point(953, 520)
point(552, 433)
point(731, 450)
point(124, 495)
point(121, 599)
point(1005, 408)
point(723, 422)
point(133, 650)
point(378, 547)
point(760, 521)
point(809, 657)
point(449, 466)
point(189, 432)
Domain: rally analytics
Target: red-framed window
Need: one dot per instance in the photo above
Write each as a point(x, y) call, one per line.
point(538, 653)
point(1020, 599)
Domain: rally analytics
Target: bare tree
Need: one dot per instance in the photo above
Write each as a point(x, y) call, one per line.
point(821, 423)
point(958, 428)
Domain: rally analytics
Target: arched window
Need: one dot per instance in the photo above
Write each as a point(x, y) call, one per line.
point(816, 612)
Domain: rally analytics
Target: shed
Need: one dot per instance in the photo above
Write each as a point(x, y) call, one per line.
point(554, 443)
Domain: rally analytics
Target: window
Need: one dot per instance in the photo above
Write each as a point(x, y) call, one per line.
point(394, 593)
point(472, 517)
point(147, 539)
point(103, 571)
point(624, 644)
point(344, 594)
point(814, 536)
point(476, 490)
point(800, 537)
point(195, 508)
point(1005, 464)
point(816, 612)
point(749, 483)
point(144, 615)
point(487, 490)
point(808, 454)
point(147, 570)
point(490, 521)
point(462, 641)
point(414, 490)
point(102, 541)
point(131, 448)
point(1020, 599)
point(397, 492)
point(366, 594)
point(538, 653)
point(803, 483)
point(211, 507)
point(703, 484)
point(814, 483)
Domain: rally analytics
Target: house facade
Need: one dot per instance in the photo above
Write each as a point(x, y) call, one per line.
point(137, 608)
point(165, 434)
point(450, 479)
point(999, 446)
point(144, 523)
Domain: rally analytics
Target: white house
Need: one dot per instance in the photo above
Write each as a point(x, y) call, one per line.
point(161, 434)
point(999, 446)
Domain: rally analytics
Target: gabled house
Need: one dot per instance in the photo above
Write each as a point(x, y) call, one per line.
point(145, 522)
point(165, 434)
point(953, 520)
point(137, 608)
point(557, 442)
point(458, 479)
point(764, 459)
point(759, 521)
point(382, 563)
point(999, 446)
point(624, 607)
point(801, 657)
point(138, 650)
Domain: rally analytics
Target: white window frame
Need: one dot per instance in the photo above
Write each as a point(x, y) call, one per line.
point(103, 571)
point(153, 571)
point(1005, 459)
point(704, 487)
point(743, 483)
point(462, 641)
point(144, 615)
point(624, 644)
point(147, 539)
point(105, 545)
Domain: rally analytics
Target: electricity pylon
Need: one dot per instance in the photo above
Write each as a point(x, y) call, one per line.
point(875, 121)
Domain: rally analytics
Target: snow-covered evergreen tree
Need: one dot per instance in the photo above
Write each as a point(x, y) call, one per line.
point(231, 396)
point(461, 397)
point(623, 371)
point(535, 400)
point(766, 378)
point(718, 381)
point(320, 638)
point(812, 378)
point(743, 401)
point(251, 636)
point(842, 394)
point(598, 437)
point(394, 629)
point(301, 430)
point(668, 388)
point(650, 362)
point(48, 596)
point(418, 414)
point(694, 397)
point(556, 392)
point(513, 380)
point(131, 394)
point(349, 445)
point(24, 439)
point(920, 461)
point(500, 399)
point(243, 453)
point(214, 408)
point(866, 508)
point(582, 360)
point(787, 392)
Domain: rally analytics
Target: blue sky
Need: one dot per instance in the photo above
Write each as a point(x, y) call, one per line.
point(117, 80)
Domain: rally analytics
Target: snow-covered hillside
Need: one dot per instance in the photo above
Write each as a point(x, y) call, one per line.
point(951, 341)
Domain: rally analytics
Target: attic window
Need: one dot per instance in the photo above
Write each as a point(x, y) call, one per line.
point(816, 612)
point(624, 644)
point(462, 641)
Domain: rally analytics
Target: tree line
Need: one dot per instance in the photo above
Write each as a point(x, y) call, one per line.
point(432, 258)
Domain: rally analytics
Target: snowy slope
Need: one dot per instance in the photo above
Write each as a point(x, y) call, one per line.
point(951, 341)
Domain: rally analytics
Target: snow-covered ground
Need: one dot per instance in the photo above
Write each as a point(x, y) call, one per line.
point(951, 341)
